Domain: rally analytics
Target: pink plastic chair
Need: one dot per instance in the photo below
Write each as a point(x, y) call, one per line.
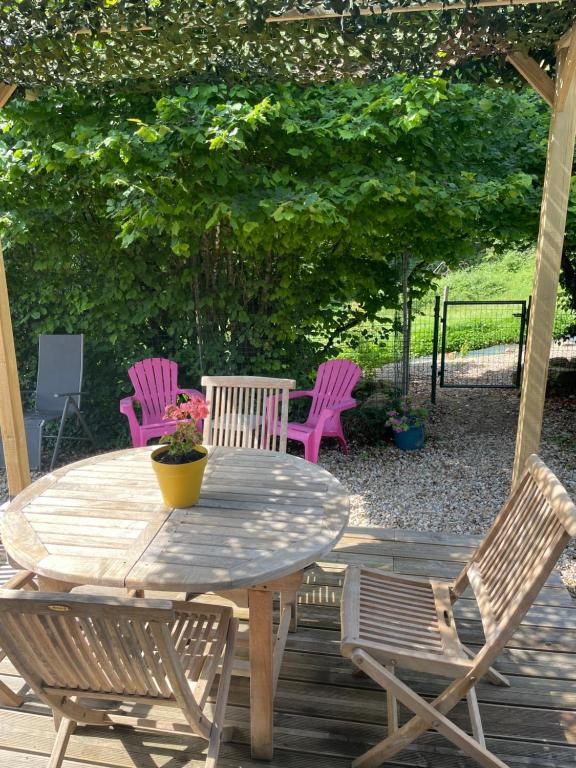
point(331, 395)
point(155, 383)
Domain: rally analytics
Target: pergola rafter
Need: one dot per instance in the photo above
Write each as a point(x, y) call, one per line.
point(533, 73)
point(560, 94)
point(319, 13)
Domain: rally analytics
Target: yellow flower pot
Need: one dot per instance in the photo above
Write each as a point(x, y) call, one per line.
point(180, 483)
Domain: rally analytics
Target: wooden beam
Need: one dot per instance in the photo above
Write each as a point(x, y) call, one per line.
point(322, 13)
point(6, 92)
point(568, 71)
point(11, 415)
point(534, 75)
point(565, 40)
point(550, 244)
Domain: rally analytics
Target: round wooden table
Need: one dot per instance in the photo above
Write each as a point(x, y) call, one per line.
point(262, 517)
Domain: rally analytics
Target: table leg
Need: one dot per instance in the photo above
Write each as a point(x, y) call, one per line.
point(289, 597)
point(261, 674)
point(53, 585)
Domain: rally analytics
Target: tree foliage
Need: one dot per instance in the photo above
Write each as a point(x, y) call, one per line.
point(58, 42)
point(249, 229)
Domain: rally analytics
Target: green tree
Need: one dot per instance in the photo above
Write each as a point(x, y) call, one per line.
point(249, 229)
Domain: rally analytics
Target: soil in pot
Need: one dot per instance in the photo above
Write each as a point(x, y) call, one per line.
point(165, 458)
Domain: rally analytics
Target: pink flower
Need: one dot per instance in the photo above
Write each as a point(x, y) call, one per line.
point(186, 435)
point(195, 408)
point(171, 412)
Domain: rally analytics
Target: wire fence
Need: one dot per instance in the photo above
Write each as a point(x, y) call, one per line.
point(467, 344)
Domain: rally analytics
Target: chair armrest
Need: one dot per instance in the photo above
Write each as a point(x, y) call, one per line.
point(332, 410)
point(342, 406)
point(300, 393)
point(127, 404)
point(19, 580)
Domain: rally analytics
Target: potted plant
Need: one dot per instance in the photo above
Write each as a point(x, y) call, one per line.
point(180, 462)
point(407, 423)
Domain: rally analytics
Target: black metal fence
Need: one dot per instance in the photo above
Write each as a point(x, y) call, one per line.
point(468, 344)
point(482, 343)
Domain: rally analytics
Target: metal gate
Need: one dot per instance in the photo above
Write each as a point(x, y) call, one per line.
point(467, 359)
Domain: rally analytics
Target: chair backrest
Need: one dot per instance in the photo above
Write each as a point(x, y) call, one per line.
point(247, 411)
point(334, 383)
point(510, 567)
point(66, 645)
point(60, 362)
point(155, 382)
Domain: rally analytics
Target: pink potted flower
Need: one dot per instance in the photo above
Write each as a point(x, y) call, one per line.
point(180, 461)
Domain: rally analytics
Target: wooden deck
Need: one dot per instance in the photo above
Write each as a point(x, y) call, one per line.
point(324, 716)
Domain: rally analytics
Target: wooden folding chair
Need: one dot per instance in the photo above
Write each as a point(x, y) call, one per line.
point(247, 412)
point(18, 580)
point(390, 620)
point(74, 650)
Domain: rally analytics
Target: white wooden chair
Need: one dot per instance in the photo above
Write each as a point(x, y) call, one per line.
point(10, 579)
point(391, 621)
point(77, 650)
point(247, 411)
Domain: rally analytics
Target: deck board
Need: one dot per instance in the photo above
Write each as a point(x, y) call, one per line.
point(324, 716)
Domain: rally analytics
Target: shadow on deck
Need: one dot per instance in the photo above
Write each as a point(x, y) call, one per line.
point(324, 716)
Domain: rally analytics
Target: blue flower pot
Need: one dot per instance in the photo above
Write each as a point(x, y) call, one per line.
point(411, 440)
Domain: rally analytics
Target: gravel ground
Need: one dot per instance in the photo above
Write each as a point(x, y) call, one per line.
point(457, 483)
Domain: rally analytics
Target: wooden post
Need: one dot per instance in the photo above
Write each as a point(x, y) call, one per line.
point(6, 91)
point(11, 415)
point(550, 244)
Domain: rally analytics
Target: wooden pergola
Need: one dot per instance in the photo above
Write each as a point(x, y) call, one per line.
point(559, 93)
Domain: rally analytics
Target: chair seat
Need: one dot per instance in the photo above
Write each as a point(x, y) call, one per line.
point(33, 426)
point(161, 425)
point(400, 619)
point(294, 428)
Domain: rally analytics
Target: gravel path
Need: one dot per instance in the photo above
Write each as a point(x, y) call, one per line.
point(457, 483)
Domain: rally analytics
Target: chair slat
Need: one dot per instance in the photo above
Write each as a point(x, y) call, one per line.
point(518, 543)
point(137, 662)
point(64, 635)
point(154, 671)
point(110, 678)
point(23, 639)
